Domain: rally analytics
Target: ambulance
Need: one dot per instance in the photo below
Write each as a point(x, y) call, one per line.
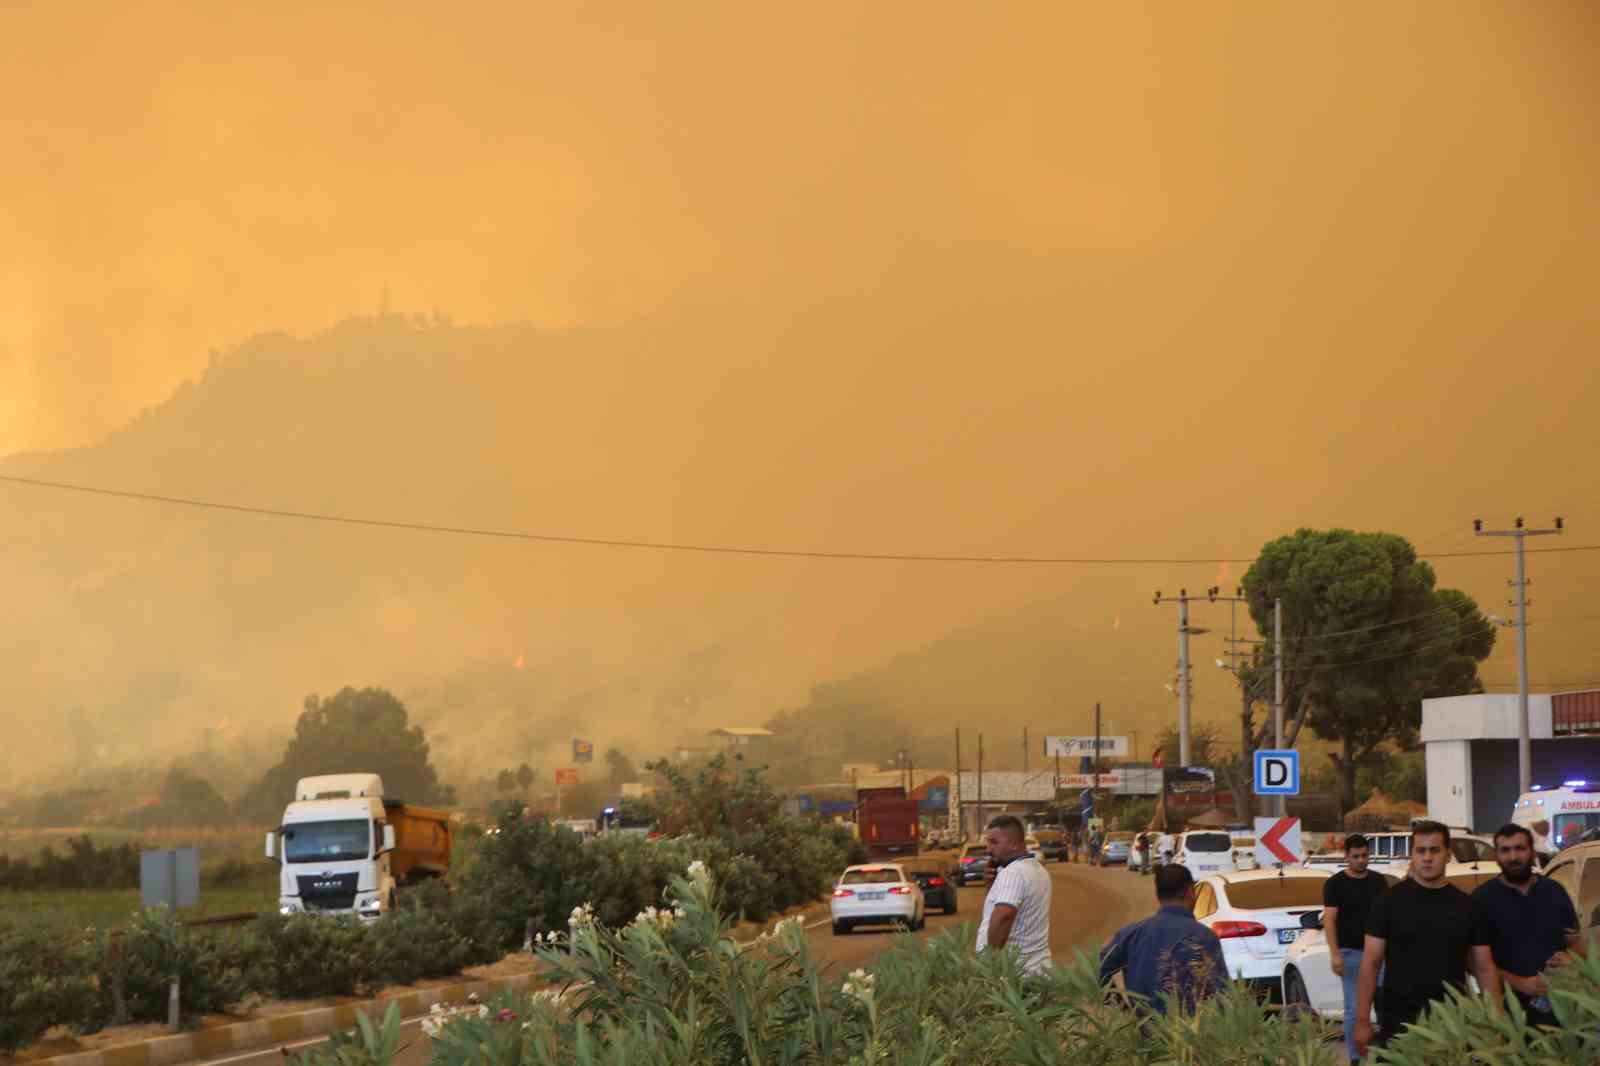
point(1559, 817)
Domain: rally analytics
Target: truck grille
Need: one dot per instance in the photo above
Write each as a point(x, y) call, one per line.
point(327, 892)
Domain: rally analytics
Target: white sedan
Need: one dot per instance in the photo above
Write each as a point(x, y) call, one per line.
point(876, 894)
point(1257, 915)
point(1308, 977)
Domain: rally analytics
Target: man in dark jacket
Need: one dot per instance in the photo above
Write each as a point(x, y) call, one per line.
point(1169, 954)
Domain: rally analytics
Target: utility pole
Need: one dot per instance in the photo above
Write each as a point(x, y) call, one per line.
point(1095, 766)
point(1024, 749)
point(980, 783)
point(1521, 533)
point(955, 789)
point(1184, 631)
point(1247, 692)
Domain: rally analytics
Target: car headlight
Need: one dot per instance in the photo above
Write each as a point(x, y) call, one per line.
point(370, 907)
point(287, 908)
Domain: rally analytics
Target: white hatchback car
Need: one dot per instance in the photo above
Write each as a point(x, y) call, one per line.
point(1256, 915)
point(876, 894)
point(1308, 977)
point(1205, 851)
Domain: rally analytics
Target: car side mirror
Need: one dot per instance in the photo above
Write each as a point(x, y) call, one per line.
point(388, 838)
point(1311, 920)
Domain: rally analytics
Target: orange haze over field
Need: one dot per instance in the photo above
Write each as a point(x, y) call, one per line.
point(1049, 280)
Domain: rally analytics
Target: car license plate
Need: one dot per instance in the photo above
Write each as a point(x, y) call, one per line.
point(1287, 936)
point(873, 895)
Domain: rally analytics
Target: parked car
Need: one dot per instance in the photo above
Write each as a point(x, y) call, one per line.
point(1257, 915)
point(1031, 842)
point(1205, 851)
point(1308, 979)
point(1244, 852)
point(1053, 844)
point(938, 891)
point(876, 894)
point(1118, 848)
point(972, 865)
point(1577, 869)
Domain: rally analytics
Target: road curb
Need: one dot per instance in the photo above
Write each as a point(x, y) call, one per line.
point(259, 1033)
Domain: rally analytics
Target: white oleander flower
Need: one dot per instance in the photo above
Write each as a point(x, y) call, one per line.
point(582, 915)
point(698, 871)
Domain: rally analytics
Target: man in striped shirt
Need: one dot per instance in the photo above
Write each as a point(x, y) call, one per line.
point(1016, 912)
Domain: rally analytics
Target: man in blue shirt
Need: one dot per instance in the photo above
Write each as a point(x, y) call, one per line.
point(1169, 953)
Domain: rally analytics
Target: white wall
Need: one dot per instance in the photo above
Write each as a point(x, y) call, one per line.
point(1449, 767)
point(1486, 716)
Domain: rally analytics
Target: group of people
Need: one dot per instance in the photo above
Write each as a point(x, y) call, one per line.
point(1396, 949)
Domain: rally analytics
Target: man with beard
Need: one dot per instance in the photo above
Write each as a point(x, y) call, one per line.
point(1530, 921)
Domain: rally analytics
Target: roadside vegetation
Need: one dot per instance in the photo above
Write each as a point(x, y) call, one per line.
point(525, 878)
point(669, 987)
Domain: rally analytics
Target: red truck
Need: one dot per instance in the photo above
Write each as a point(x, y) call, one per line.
point(886, 822)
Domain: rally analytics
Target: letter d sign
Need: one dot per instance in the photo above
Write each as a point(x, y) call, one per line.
point(1277, 773)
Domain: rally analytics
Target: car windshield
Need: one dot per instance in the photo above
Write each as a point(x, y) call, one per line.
point(1209, 842)
point(327, 841)
point(1272, 893)
point(871, 877)
point(1049, 837)
point(973, 853)
point(1120, 838)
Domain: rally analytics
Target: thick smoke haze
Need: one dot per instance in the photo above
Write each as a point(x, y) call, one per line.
point(1126, 282)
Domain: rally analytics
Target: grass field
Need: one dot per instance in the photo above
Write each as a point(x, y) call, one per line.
point(215, 844)
point(110, 908)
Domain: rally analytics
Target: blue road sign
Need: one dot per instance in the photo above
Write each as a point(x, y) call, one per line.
point(1277, 773)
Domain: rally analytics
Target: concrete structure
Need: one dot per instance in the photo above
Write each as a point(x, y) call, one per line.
point(1471, 751)
point(739, 736)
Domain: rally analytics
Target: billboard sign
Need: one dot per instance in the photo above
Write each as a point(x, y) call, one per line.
point(582, 750)
point(1069, 747)
point(567, 776)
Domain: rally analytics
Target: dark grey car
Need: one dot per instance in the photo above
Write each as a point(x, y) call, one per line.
point(971, 865)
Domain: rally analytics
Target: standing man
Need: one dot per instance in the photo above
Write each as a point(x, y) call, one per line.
point(1424, 929)
point(1016, 912)
point(1169, 953)
point(1347, 899)
point(1531, 922)
point(1094, 847)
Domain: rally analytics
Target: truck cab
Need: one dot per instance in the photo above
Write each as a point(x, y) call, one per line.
point(344, 848)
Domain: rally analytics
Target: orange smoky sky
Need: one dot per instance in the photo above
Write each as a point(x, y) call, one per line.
point(1088, 280)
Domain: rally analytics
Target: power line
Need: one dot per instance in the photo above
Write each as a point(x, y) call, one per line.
point(714, 549)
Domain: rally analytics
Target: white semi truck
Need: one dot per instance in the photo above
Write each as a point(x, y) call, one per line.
point(346, 848)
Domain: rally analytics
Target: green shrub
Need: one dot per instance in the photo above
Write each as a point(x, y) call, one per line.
point(43, 982)
point(213, 968)
point(307, 956)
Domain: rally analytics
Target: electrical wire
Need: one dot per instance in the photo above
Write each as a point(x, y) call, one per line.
point(715, 549)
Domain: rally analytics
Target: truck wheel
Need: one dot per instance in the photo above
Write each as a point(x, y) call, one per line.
point(840, 929)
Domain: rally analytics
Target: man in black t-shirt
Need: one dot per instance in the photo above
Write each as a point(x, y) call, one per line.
point(1423, 928)
point(1347, 899)
point(1531, 922)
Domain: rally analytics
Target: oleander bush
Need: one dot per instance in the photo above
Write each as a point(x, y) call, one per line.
point(670, 987)
point(44, 981)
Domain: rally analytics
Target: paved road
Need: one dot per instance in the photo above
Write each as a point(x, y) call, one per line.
point(1086, 906)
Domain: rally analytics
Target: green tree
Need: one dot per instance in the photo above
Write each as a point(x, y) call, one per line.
point(526, 776)
point(719, 798)
point(1367, 638)
point(620, 768)
point(354, 731)
point(505, 781)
